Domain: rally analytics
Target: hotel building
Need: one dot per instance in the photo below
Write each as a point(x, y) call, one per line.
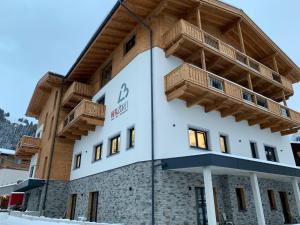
point(175, 113)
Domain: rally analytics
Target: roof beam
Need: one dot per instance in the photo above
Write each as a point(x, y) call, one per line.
point(229, 27)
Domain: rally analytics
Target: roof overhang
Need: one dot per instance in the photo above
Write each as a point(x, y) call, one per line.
point(118, 24)
point(42, 92)
point(28, 185)
point(229, 162)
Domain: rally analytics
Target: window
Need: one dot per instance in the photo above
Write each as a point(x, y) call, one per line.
point(98, 152)
point(198, 139)
point(223, 144)
point(253, 150)
point(93, 206)
point(272, 201)
point(262, 102)
point(131, 137)
point(77, 161)
point(101, 100)
point(270, 153)
point(216, 83)
point(31, 171)
point(114, 145)
point(248, 96)
point(129, 44)
point(240, 194)
point(106, 74)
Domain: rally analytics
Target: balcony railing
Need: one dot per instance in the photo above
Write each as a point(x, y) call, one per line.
point(193, 34)
point(82, 119)
point(197, 86)
point(28, 146)
point(76, 92)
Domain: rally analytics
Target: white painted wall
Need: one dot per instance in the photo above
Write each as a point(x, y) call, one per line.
point(33, 164)
point(172, 120)
point(10, 176)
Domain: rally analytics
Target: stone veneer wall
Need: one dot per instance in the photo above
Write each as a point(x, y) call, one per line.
point(125, 196)
point(56, 202)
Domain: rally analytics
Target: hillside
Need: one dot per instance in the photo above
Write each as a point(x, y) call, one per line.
point(10, 132)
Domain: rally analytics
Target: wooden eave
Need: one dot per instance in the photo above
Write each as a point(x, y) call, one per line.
point(42, 92)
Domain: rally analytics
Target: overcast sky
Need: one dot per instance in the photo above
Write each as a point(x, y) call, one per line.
point(39, 36)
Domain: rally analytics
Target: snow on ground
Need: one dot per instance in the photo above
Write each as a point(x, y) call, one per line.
point(6, 219)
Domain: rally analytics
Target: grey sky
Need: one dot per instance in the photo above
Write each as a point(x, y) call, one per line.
point(39, 36)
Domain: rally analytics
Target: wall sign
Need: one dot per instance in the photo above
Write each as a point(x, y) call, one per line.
point(122, 103)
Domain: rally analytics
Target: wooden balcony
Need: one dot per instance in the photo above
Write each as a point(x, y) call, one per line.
point(183, 40)
point(197, 86)
point(27, 147)
point(82, 119)
point(76, 92)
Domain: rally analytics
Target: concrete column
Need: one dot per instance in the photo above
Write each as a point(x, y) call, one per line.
point(209, 195)
point(257, 200)
point(297, 194)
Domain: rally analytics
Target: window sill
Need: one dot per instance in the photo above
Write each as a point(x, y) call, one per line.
point(196, 148)
point(111, 155)
point(94, 161)
point(130, 148)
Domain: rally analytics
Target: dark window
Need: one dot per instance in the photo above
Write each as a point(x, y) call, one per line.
point(98, 152)
point(276, 77)
point(93, 206)
point(223, 144)
point(129, 44)
point(73, 206)
point(270, 153)
point(254, 150)
point(31, 171)
point(262, 102)
point(248, 96)
point(254, 65)
point(272, 201)
point(216, 83)
point(198, 139)
point(240, 194)
point(101, 100)
point(77, 161)
point(131, 137)
point(115, 145)
point(106, 74)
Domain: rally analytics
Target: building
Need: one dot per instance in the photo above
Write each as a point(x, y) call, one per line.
point(175, 113)
point(12, 171)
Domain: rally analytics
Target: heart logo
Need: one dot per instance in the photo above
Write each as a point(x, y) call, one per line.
point(123, 93)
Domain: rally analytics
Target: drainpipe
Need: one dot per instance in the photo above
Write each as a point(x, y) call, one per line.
point(42, 210)
point(147, 27)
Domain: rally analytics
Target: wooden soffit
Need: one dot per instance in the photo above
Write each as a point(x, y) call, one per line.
point(42, 92)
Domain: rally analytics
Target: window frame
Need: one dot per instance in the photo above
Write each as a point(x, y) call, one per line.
point(95, 152)
point(256, 149)
point(76, 166)
point(226, 143)
point(104, 70)
point(118, 144)
point(130, 135)
point(241, 199)
point(101, 100)
point(274, 153)
point(195, 130)
point(128, 46)
point(272, 199)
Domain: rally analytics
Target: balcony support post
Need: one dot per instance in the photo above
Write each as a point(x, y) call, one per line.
point(249, 81)
point(283, 98)
point(198, 12)
point(241, 37)
point(275, 63)
point(203, 63)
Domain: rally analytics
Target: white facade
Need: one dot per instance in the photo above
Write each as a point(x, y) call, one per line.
point(11, 176)
point(171, 123)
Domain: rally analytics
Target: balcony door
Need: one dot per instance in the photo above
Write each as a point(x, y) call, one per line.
point(285, 207)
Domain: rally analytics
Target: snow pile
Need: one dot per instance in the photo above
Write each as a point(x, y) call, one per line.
point(6, 219)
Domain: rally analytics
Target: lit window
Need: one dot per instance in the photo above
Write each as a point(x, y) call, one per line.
point(198, 139)
point(240, 194)
point(131, 136)
point(98, 152)
point(77, 161)
point(223, 144)
point(129, 44)
point(115, 145)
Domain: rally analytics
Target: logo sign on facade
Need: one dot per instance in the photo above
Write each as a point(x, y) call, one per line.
point(122, 102)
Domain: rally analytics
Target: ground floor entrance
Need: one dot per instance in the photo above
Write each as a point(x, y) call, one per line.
point(201, 206)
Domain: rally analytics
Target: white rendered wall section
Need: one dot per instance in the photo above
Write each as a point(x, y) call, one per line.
point(10, 176)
